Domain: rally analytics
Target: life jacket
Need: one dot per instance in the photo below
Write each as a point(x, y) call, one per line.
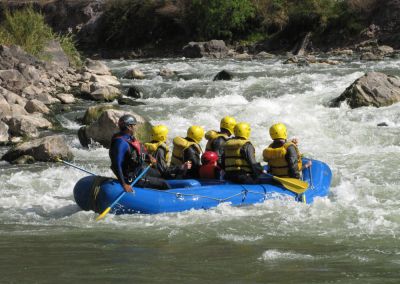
point(152, 148)
point(208, 171)
point(233, 159)
point(137, 154)
point(277, 161)
point(180, 145)
point(211, 135)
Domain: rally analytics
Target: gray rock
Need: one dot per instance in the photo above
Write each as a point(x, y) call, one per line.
point(223, 75)
point(105, 80)
point(36, 106)
point(27, 125)
point(96, 67)
point(66, 98)
point(54, 51)
point(373, 89)
point(46, 149)
point(4, 136)
point(166, 72)
point(382, 124)
point(24, 159)
point(128, 101)
point(369, 56)
point(5, 108)
point(105, 93)
point(134, 74)
point(102, 130)
point(93, 113)
point(134, 92)
point(12, 98)
point(213, 48)
point(13, 79)
point(18, 110)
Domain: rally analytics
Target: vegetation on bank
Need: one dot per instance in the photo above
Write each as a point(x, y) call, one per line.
point(134, 23)
point(28, 29)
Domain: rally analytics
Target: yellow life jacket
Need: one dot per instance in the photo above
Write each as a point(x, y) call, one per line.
point(180, 145)
point(153, 146)
point(277, 161)
point(233, 159)
point(211, 135)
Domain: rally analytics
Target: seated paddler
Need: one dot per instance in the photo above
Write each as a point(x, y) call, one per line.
point(188, 149)
point(283, 156)
point(158, 148)
point(239, 160)
point(129, 158)
point(217, 139)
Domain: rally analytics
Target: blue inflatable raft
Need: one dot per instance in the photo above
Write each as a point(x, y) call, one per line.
point(98, 193)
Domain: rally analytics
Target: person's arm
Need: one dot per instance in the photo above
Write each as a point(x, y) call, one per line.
point(249, 153)
point(292, 159)
point(162, 164)
point(190, 154)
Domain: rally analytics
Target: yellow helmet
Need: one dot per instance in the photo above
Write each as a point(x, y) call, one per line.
point(278, 131)
point(196, 133)
point(159, 133)
point(242, 130)
point(228, 123)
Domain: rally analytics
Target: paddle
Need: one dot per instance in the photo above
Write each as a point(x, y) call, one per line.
point(293, 184)
point(105, 212)
point(72, 165)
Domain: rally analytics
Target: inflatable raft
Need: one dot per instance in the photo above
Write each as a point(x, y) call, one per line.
point(97, 193)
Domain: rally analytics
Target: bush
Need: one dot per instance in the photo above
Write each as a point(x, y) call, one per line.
point(27, 28)
point(219, 18)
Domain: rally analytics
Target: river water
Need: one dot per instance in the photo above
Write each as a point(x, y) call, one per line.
point(351, 236)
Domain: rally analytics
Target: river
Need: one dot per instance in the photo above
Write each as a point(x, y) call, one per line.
point(351, 236)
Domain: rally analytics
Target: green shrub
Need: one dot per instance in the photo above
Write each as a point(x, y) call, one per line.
point(219, 18)
point(28, 29)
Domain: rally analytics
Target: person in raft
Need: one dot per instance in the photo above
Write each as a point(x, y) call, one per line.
point(239, 161)
point(209, 168)
point(158, 148)
point(283, 156)
point(129, 157)
point(188, 149)
point(217, 139)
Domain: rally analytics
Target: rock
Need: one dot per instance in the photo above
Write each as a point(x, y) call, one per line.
point(369, 56)
point(27, 125)
point(382, 124)
point(36, 106)
point(134, 92)
point(54, 51)
point(93, 113)
point(45, 98)
point(102, 130)
point(384, 50)
point(128, 101)
point(82, 137)
point(96, 67)
point(4, 136)
point(223, 75)
point(134, 74)
point(5, 108)
point(346, 52)
point(373, 89)
point(24, 159)
point(242, 56)
point(213, 48)
point(12, 98)
point(13, 79)
point(46, 149)
point(66, 98)
point(29, 72)
point(30, 92)
point(105, 93)
point(291, 60)
point(265, 55)
point(166, 72)
point(105, 80)
point(85, 88)
point(18, 110)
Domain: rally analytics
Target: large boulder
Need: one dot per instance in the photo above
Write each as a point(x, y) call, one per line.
point(103, 129)
point(5, 108)
point(213, 48)
point(46, 149)
point(93, 113)
point(27, 125)
point(105, 93)
point(373, 89)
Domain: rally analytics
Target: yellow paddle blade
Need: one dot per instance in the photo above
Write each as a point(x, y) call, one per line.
point(293, 184)
point(102, 215)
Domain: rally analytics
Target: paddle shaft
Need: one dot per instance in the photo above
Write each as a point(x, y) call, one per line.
point(76, 167)
point(105, 212)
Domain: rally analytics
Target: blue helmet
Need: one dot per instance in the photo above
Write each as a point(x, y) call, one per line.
point(126, 120)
